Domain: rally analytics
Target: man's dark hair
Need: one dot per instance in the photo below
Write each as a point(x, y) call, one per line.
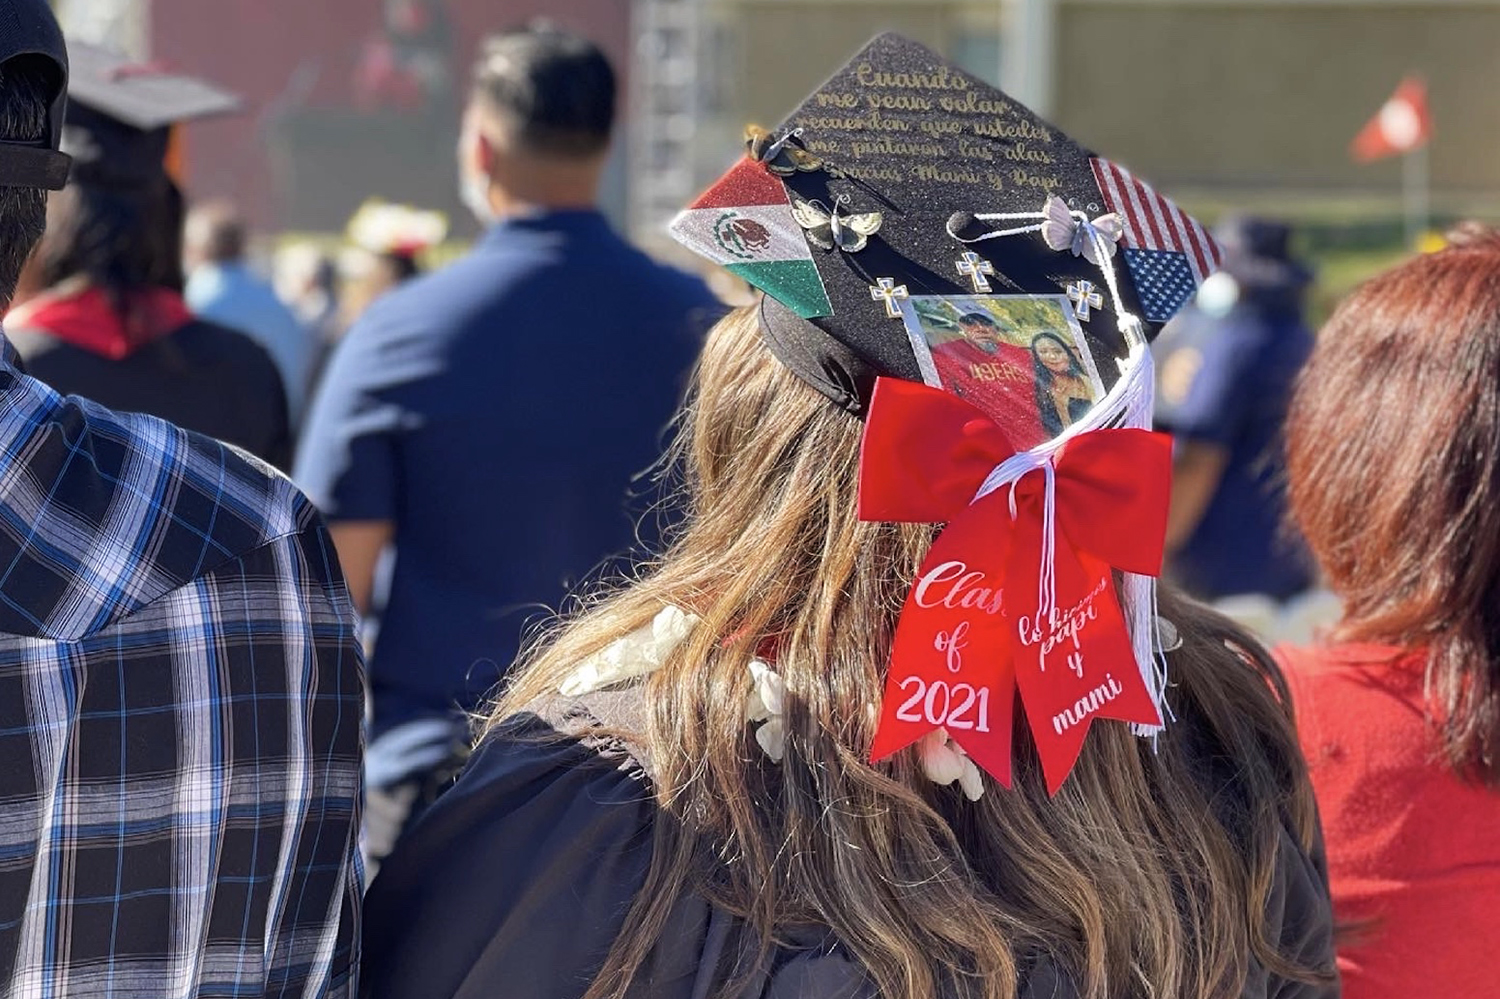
point(121, 240)
point(554, 92)
point(216, 232)
point(27, 84)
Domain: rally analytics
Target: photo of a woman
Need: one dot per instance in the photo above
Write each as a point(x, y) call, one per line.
point(1020, 358)
point(1063, 390)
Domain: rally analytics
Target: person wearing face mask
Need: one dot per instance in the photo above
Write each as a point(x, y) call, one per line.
point(1228, 364)
point(449, 425)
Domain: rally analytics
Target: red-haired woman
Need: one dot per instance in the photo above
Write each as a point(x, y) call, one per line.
point(1394, 465)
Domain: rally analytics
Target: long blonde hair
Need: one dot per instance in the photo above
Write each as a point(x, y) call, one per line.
point(1144, 875)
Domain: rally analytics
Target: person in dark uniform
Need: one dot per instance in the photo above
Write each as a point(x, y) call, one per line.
point(1225, 374)
point(103, 315)
point(445, 425)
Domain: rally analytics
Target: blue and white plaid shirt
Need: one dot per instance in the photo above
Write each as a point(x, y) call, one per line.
point(181, 697)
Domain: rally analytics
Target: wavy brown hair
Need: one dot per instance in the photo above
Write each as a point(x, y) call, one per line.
point(1394, 478)
point(1147, 874)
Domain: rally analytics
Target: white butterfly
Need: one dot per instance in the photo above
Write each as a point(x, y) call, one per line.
point(826, 229)
point(1065, 231)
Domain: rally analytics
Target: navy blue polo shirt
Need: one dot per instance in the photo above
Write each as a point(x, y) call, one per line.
point(1227, 380)
point(499, 412)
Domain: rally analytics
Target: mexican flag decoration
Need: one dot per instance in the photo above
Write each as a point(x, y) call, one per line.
point(745, 224)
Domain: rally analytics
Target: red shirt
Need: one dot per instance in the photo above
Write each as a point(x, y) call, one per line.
point(1413, 852)
point(1003, 384)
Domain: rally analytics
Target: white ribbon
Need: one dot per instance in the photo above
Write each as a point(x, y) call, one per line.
point(1129, 404)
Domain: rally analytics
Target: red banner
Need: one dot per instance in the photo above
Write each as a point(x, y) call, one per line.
point(1402, 124)
point(998, 605)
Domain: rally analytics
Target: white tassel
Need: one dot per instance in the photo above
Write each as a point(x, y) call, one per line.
point(1129, 404)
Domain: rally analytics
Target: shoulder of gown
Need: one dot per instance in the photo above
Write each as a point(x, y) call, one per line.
point(518, 880)
point(1299, 919)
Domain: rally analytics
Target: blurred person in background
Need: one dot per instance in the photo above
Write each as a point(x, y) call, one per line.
point(103, 314)
point(1394, 478)
point(180, 677)
point(367, 275)
point(223, 289)
point(408, 66)
point(487, 419)
point(386, 244)
point(1224, 380)
point(307, 280)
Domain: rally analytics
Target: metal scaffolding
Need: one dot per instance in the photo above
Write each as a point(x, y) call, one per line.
point(120, 24)
point(664, 111)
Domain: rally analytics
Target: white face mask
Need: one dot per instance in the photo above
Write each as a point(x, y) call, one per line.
point(474, 192)
point(473, 182)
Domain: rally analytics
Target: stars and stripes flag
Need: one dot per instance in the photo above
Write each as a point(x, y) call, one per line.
point(1167, 251)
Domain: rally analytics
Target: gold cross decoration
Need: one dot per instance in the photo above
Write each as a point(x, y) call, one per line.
point(974, 267)
point(888, 290)
point(1084, 298)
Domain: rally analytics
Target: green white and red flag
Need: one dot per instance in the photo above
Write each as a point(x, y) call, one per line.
point(745, 224)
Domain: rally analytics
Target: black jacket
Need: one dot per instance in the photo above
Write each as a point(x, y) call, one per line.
point(519, 879)
point(201, 377)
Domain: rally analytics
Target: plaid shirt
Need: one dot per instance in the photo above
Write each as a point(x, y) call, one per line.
point(181, 700)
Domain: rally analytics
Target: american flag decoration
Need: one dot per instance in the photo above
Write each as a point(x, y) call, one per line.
point(1168, 253)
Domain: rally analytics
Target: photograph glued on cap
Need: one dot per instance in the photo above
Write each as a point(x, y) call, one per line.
point(1022, 359)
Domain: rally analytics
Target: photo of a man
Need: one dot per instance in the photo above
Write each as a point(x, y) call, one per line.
point(984, 350)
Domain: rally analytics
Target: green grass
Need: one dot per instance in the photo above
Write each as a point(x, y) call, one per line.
point(1339, 271)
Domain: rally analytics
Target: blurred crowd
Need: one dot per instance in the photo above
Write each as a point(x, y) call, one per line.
point(493, 440)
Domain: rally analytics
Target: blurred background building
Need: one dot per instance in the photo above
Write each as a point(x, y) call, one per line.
point(345, 99)
point(1246, 104)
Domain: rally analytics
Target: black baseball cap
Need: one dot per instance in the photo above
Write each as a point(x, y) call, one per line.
point(28, 30)
point(122, 112)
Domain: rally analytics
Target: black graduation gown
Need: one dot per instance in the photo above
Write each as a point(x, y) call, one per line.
point(518, 880)
point(201, 377)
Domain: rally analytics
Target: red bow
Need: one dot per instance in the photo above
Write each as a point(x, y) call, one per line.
point(974, 628)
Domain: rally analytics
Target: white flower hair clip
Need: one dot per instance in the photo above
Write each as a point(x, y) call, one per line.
point(765, 706)
point(641, 652)
point(645, 650)
point(944, 761)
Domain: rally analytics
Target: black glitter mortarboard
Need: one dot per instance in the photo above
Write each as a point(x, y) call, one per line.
point(869, 219)
point(28, 30)
point(121, 115)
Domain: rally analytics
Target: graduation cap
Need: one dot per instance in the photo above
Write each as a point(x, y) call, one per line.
point(28, 29)
point(911, 224)
point(120, 121)
point(905, 194)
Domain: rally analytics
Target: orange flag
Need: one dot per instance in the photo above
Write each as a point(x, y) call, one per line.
point(1401, 125)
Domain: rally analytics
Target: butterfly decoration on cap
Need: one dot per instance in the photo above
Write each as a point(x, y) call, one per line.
point(782, 156)
point(1064, 229)
point(832, 230)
